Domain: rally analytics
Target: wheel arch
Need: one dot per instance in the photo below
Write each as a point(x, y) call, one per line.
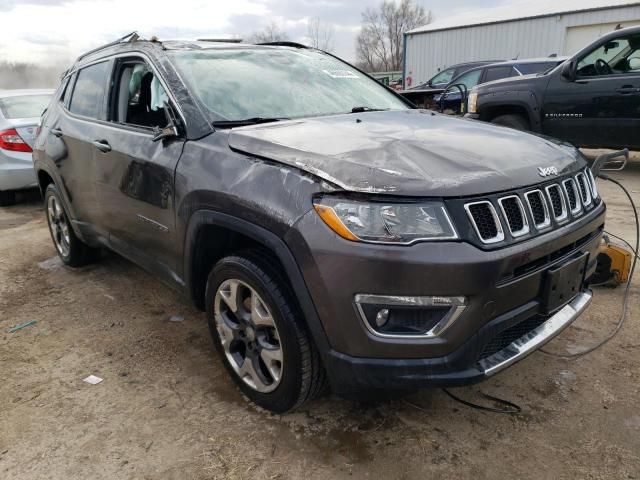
point(44, 179)
point(527, 109)
point(210, 235)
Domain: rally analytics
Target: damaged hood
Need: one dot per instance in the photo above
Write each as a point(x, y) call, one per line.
point(408, 152)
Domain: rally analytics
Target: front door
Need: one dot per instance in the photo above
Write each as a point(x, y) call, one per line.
point(135, 180)
point(601, 108)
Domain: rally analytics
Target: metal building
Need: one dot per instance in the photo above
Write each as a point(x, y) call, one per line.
point(536, 28)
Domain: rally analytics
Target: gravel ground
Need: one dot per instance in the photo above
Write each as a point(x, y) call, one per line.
point(166, 408)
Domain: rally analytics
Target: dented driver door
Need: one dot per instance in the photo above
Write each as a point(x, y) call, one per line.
point(135, 180)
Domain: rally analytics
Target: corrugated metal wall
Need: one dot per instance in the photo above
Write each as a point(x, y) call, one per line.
point(538, 37)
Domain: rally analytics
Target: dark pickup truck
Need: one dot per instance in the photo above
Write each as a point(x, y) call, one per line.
point(591, 100)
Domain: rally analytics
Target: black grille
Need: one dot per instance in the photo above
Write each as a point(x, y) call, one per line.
point(571, 194)
point(482, 214)
point(537, 207)
point(513, 212)
point(508, 336)
point(555, 196)
point(582, 185)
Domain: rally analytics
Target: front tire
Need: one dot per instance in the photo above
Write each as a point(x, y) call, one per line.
point(257, 330)
point(515, 121)
point(71, 250)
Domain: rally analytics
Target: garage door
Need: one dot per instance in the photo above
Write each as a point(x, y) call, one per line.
point(579, 37)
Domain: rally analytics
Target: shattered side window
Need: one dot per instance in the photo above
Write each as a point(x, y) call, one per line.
point(236, 84)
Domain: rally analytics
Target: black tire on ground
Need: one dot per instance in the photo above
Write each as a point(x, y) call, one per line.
point(302, 374)
point(7, 197)
point(78, 253)
point(512, 120)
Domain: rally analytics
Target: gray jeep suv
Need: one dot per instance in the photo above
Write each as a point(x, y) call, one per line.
point(332, 233)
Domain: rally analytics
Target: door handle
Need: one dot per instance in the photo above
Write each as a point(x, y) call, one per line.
point(56, 132)
point(627, 89)
point(102, 145)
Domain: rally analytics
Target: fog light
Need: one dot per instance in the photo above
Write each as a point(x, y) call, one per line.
point(408, 317)
point(382, 317)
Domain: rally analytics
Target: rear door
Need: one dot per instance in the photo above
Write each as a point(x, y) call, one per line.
point(135, 174)
point(69, 143)
point(601, 108)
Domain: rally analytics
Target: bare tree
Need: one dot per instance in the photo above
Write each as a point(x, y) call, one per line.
point(270, 33)
point(320, 35)
point(379, 43)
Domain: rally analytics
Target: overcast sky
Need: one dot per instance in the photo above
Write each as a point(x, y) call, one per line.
point(54, 31)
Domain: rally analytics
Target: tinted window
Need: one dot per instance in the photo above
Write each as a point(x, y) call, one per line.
point(443, 77)
point(496, 73)
point(529, 68)
point(24, 106)
point(469, 79)
point(88, 93)
point(65, 89)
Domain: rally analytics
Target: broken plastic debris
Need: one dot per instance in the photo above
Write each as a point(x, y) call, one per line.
point(176, 318)
point(22, 325)
point(92, 379)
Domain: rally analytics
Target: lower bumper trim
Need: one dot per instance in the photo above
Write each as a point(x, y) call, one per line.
point(537, 337)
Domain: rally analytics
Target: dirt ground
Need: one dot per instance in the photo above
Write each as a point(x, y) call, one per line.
point(167, 410)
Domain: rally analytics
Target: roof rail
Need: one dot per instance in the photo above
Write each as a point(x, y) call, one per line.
point(130, 37)
point(220, 40)
point(283, 44)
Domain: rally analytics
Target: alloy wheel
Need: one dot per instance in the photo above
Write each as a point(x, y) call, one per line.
point(59, 226)
point(249, 335)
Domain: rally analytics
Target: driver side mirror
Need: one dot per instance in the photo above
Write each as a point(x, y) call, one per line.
point(171, 130)
point(569, 70)
point(634, 63)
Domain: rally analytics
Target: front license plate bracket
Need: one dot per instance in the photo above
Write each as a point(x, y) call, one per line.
point(563, 282)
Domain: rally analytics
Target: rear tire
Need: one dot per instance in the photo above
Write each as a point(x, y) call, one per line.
point(262, 316)
point(71, 250)
point(515, 121)
point(7, 198)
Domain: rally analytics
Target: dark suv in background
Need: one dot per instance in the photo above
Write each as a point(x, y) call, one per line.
point(330, 231)
point(421, 94)
point(592, 100)
point(453, 99)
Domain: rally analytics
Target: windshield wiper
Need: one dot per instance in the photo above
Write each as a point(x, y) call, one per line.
point(367, 109)
point(246, 121)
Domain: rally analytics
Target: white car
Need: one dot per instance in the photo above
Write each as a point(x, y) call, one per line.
point(20, 112)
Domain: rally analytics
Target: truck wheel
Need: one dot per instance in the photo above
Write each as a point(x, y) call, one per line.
point(71, 250)
point(256, 328)
point(7, 197)
point(515, 121)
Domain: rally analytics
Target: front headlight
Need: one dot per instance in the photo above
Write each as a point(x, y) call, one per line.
point(472, 105)
point(395, 223)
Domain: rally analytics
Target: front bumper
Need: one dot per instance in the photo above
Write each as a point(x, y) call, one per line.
point(16, 171)
point(503, 293)
point(351, 374)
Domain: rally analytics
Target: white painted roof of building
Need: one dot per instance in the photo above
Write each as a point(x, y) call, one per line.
point(517, 10)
